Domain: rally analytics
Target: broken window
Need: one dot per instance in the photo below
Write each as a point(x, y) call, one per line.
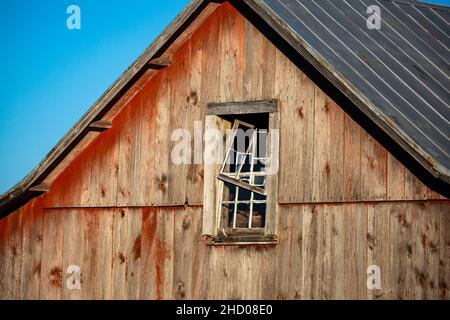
point(240, 185)
point(243, 200)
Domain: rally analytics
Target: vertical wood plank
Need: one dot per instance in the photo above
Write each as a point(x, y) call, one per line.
point(134, 252)
point(31, 250)
point(259, 73)
point(97, 253)
point(312, 248)
point(3, 256)
point(284, 257)
point(355, 251)
point(444, 251)
point(148, 154)
point(303, 134)
point(91, 227)
point(156, 269)
point(183, 246)
point(286, 93)
point(395, 179)
point(165, 255)
point(196, 115)
point(120, 254)
point(425, 250)
point(352, 159)
point(373, 169)
point(162, 157)
point(52, 255)
point(211, 192)
point(179, 83)
point(104, 170)
point(219, 274)
point(297, 253)
point(401, 224)
point(73, 252)
point(332, 284)
point(129, 156)
point(12, 255)
point(232, 44)
point(378, 245)
point(200, 256)
point(328, 149)
point(147, 271)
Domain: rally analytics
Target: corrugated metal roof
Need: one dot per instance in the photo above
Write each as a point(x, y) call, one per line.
point(400, 71)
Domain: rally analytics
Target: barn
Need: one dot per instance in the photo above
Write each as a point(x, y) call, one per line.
point(349, 198)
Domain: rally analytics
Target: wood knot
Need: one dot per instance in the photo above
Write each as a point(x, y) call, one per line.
point(300, 113)
point(372, 163)
point(137, 248)
point(181, 290)
point(328, 169)
point(424, 240)
point(56, 276)
point(37, 269)
point(433, 247)
point(371, 241)
point(121, 258)
point(444, 292)
point(409, 249)
point(335, 232)
point(186, 222)
point(402, 219)
point(193, 98)
point(122, 213)
point(421, 279)
point(161, 182)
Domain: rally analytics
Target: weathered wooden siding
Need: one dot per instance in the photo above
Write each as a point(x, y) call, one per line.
point(325, 155)
point(158, 253)
point(118, 211)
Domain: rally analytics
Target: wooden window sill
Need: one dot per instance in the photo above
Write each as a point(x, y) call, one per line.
point(243, 241)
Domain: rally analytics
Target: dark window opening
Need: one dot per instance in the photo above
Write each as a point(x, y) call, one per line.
point(242, 176)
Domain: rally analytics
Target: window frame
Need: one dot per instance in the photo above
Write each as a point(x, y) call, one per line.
point(214, 181)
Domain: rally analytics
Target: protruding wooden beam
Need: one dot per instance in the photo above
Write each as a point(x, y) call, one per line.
point(43, 187)
point(100, 126)
point(159, 63)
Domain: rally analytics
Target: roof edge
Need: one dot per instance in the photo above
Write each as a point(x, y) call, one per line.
point(21, 190)
point(15, 197)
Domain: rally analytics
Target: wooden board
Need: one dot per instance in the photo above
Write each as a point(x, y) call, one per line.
point(184, 243)
point(157, 256)
point(52, 255)
point(196, 113)
point(312, 248)
point(355, 251)
point(73, 254)
point(179, 160)
point(328, 149)
point(325, 155)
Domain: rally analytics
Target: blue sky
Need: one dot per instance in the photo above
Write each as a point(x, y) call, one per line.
point(51, 75)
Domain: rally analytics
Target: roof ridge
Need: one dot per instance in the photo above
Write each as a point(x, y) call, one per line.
point(421, 4)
